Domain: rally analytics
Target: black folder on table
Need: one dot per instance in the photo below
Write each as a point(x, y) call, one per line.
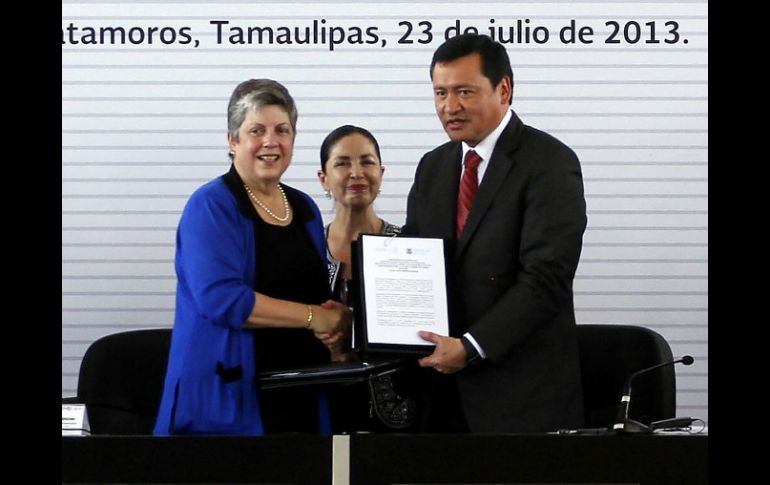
point(331, 373)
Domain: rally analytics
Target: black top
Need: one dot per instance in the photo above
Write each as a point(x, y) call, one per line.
point(291, 269)
point(288, 267)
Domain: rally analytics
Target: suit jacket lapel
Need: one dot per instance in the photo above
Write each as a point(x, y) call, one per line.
point(449, 187)
point(496, 173)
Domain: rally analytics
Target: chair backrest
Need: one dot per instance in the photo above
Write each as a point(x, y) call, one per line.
point(609, 354)
point(121, 380)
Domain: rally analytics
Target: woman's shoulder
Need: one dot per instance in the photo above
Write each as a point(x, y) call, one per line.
point(210, 207)
point(212, 190)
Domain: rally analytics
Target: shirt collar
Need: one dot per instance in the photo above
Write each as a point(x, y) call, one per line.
point(487, 145)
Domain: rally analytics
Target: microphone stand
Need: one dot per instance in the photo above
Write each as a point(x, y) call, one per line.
point(625, 425)
point(630, 426)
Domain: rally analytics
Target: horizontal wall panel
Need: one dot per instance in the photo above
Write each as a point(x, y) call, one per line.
point(662, 204)
point(96, 287)
point(127, 318)
point(633, 285)
point(642, 316)
point(620, 253)
point(644, 236)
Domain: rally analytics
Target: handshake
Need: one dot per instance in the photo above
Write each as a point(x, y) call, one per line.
point(334, 329)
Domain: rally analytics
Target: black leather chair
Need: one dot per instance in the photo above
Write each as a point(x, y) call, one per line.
point(609, 354)
point(121, 381)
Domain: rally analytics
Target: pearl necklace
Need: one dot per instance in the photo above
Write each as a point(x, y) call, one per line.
point(286, 208)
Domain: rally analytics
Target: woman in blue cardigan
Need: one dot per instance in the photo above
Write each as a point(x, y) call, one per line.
point(252, 285)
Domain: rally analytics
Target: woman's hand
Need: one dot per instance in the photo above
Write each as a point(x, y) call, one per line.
point(336, 344)
point(333, 318)
point(336, 340)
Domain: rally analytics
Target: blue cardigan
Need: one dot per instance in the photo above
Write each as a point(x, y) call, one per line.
point(210, 385)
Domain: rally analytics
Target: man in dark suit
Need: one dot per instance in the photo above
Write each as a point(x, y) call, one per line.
point(510, 363)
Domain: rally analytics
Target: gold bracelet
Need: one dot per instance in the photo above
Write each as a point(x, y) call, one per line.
point(309, 317)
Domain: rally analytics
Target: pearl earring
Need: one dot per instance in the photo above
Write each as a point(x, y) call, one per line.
point(328, 194)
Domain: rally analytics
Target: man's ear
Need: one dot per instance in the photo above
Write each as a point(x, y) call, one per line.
point(506, 90)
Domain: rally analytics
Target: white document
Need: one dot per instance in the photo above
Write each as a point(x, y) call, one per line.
point(405, 286)
point(74, 420)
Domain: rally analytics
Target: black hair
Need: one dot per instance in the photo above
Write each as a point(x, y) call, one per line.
point(341, 132)
point(495, 63)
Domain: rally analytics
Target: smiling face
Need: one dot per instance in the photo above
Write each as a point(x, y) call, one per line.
point(263, 149)
point(467, 104)
point(353, 172)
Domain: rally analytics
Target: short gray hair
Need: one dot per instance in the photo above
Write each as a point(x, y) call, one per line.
point(255, 94)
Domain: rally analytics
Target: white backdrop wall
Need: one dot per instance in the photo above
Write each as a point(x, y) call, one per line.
point(144, 123)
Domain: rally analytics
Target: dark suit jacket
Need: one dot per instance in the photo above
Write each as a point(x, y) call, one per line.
point(512, 276)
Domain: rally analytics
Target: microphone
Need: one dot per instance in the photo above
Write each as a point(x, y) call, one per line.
point(625, 425)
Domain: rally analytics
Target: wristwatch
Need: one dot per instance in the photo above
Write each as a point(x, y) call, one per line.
point(471, 354)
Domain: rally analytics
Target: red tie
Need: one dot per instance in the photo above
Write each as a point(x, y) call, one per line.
point(468, 187)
